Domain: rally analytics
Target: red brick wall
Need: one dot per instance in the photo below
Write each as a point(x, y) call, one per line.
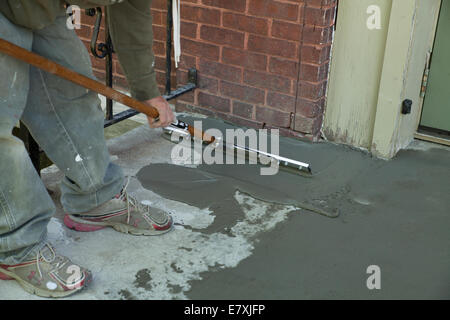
point(260, 62)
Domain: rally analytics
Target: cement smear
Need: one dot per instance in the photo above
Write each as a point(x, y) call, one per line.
point(213, 186)
point(394, 214)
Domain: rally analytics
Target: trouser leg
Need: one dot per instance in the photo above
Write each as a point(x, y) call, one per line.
point(67, 121)
point(25, 206)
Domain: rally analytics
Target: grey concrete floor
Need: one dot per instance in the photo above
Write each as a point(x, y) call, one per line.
point(393, 214)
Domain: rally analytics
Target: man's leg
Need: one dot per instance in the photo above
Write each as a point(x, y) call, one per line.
point(25, 206)
point(92, 190)
point(67, 121)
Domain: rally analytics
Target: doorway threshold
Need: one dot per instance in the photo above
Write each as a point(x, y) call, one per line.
point(433, 135)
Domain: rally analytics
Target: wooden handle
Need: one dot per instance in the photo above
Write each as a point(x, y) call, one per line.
point(51, 67)
point(200, 135)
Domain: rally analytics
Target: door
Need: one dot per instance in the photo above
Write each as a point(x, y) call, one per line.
point(436, 107)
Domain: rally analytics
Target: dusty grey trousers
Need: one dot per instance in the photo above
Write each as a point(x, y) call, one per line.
point(67, 122)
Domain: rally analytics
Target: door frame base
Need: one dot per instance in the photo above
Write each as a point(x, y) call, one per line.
point(430, 138)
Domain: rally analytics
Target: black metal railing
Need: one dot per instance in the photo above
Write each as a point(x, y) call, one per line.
point(106, 50)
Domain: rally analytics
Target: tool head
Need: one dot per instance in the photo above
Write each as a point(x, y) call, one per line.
point(179, 130)
point(176, 131)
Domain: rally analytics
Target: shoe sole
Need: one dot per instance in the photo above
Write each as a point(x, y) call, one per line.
point(28, 287)
point(78, 224)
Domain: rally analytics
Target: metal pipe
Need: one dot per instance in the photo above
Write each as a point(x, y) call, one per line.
point(169, 47)
point(109, 71)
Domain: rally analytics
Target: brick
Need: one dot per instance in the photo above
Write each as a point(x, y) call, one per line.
point(319, 16)
point(183, 107)
point(315, 54)
point(312, 72)
point(157, 18)
point(187, 62)
point(272, 46)
point(159, 4)
point(287, 132)
point(159, 33)
point(302, 124)
point(241, 122)
point(200, 49)
point(208, 84)
point(244, 110)
point(204, 83)
point(312, 90)
point(273, 117)
point(217, 103)
point(285, 30)
point(274, 9)
point(199, 14)
point(319, 3)
point(267, 81)
point(187, 97)
point(88, 20)
point(159, 48)
point(188, 29)
point(310, 108)
point(160, 63)
point(161, 79)
point(288, 68)
point(222, 36)
point(161, 89)
point(244, 58)
point(236, 5)
point(219, 70)
point(281, 101)
point(246, 23)
point(85, 32)
point(317, 35)
point(307, 125)
point(182, 77)
point(242, 92)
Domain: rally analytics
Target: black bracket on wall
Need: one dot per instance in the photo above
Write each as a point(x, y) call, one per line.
point(407, 106)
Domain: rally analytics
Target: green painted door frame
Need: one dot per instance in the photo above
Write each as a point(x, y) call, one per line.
point(436, 107)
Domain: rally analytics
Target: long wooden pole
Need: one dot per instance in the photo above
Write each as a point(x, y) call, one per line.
point(49, 66)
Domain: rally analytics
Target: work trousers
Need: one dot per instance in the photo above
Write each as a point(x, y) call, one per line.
point(67, 122)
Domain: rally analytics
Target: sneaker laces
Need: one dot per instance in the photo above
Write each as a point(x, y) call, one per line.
point(132, 202)
point(59, 263)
